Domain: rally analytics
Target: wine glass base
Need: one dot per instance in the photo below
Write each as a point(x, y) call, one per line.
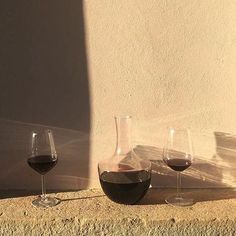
point(179, 201)
point(45, 203)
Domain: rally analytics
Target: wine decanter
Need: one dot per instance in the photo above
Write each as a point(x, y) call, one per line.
point(125, 177)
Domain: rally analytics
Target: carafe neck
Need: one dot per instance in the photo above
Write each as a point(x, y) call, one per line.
point(123, 132)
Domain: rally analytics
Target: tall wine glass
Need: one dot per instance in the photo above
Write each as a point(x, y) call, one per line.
point(42, 159)
point(178, 155)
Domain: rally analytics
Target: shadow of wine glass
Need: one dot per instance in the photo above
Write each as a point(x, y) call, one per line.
point(157, 196)
point(59, 195)
point(80, 198)
point(225, 156)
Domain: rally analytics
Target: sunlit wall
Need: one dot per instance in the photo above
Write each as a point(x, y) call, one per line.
point(166, 63)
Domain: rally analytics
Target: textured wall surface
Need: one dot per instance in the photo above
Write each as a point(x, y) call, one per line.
point(167, 63)
point(73, 66)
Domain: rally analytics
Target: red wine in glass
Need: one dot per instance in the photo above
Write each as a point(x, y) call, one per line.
point(178, 164)
point(42, 163)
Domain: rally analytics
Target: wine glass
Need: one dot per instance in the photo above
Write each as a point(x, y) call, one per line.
point(42, 159)
point(178, 155)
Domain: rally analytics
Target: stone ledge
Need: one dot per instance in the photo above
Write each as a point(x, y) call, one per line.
point(89, 212)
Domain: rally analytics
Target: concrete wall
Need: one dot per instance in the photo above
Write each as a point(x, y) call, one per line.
point(163, 62)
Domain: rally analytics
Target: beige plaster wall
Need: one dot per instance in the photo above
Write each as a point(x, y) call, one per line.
point(165, 63)
point(72, 65)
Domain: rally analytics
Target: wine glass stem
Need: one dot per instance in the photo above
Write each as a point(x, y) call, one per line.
point(178, 184)
point(43, 196)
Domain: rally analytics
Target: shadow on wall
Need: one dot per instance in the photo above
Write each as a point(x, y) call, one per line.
point(218, 171)
point(44, 83)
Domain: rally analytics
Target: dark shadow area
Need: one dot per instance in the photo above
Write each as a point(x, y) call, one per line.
point(23, 192)
point(43, 84)
point(19, 193)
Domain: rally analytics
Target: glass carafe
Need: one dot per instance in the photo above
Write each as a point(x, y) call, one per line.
point(125, 177)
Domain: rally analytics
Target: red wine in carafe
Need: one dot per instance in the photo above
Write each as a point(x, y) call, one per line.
point(126, 187)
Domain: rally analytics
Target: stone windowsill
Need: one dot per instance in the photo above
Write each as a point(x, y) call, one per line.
point(89, 212)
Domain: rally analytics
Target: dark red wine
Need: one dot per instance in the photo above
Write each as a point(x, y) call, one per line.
point(126, 187)
point(178, 164)
point(42, 164)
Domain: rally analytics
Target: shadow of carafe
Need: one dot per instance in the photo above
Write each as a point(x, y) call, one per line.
point(226, 156)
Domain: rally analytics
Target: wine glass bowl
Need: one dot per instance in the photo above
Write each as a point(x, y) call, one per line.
point(177, 161)
point(42, 159)
point(178, 155)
